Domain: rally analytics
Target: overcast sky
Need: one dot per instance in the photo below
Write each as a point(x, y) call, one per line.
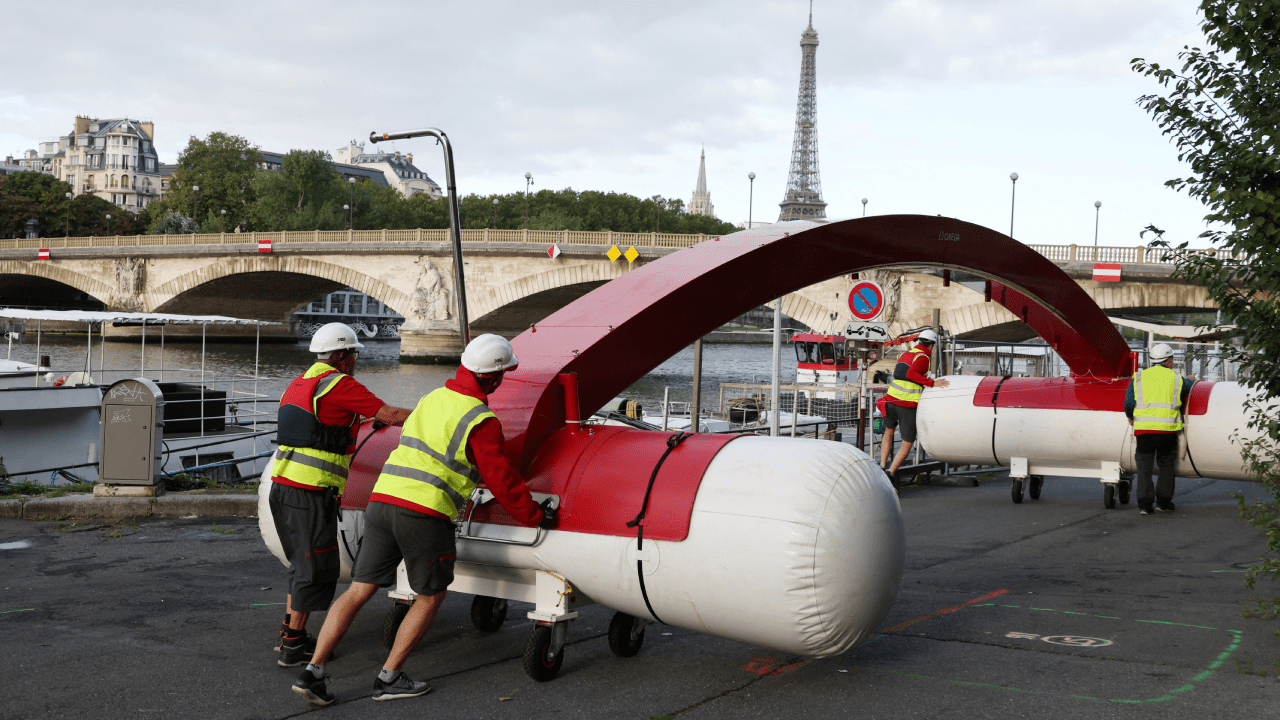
point(924, 106)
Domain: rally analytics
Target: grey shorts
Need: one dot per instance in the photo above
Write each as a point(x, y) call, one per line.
point(307, 523)
point(424, 542)
point(895, 415)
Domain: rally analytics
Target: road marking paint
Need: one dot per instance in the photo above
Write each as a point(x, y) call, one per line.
point(936, 613)
point(18, 545)
point(261, 604)
point(1162, 622)
point(6, 612)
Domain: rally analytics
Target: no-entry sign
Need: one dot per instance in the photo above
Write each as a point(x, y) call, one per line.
point(866, 300)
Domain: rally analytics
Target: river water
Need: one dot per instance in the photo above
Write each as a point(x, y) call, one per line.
point(379, 367)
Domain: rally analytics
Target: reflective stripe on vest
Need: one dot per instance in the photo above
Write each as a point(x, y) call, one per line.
point(906, 390)
point(430, 467)
point(309, 466)
point(1156, 393)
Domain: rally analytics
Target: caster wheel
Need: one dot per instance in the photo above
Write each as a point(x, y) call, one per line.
point(1036, 484)
point(391, 625)
point(488, 613)
point(624, 641)
point(1109, 497)
point(1124, 492)
point(536, 663)
point(1017, 490)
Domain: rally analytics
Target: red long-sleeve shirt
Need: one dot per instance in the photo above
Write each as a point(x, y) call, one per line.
point(916, 373)
point(484, 450)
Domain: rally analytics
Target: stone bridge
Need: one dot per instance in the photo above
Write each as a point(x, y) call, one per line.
point(511, 280)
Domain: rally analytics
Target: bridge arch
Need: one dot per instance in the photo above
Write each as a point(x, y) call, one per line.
point(54, 272)
point(508, 306)
point(615, 334)
point(255, 282)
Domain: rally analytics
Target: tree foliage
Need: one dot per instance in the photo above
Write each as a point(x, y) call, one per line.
point(1222, 110)
point(224, 167)
point(31, 195)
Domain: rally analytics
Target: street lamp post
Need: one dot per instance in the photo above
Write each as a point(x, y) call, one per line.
point(223, 215)
point(528, 181)
point(108, 223)
point(495, 213)
point(1012, 199)
point(68, 233)
point(864, 207)
point(351, 211)
point(751, 199)
point(345, 208)
point(1097, 214)
point(195, 192)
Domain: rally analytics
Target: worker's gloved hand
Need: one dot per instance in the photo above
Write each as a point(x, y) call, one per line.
point(549, 515)
point(378, 425)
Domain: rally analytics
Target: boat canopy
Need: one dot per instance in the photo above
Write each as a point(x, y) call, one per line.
point(94, 316)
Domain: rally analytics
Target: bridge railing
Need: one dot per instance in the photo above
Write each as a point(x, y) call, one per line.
point(1139, 255)
point(540, 237)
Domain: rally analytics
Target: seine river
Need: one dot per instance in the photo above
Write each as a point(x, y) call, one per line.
point(379, 367)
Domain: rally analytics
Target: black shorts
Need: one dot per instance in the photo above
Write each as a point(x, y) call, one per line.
point(307, 523)
point(895, 415)
point(424, 542)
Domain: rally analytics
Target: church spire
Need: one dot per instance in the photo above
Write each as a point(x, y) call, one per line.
point(701, 202)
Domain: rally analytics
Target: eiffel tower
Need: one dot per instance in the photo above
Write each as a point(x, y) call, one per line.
point(804, 188)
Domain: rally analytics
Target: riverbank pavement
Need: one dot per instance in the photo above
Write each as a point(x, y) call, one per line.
point(170, 505)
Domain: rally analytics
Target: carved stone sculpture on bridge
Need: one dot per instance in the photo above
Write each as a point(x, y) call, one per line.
point(131, 283)
point(431, 301)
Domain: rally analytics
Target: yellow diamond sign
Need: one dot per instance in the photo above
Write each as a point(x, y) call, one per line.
point(613, 254)
point(631, 254)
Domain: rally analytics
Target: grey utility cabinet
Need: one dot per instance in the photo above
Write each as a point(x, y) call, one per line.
point(132, 433)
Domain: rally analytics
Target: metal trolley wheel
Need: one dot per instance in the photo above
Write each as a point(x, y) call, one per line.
point(391, 625)
point(488, 613)
point(538, 664)
point(1036, 484)
point(1018, 487)
point(626, 635)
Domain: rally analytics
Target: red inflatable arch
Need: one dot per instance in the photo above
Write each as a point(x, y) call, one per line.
point(616, 334)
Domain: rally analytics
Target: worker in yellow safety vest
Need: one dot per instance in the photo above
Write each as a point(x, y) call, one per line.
point(910, 378)
point(316, 431)
point(450, 442)
point(1155, 402)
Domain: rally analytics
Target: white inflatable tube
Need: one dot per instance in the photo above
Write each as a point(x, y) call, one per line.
point(794, 545)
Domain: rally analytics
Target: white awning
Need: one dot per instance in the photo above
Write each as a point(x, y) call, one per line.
point(88, 316)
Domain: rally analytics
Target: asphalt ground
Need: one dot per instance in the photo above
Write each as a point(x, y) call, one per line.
point(1052, 608)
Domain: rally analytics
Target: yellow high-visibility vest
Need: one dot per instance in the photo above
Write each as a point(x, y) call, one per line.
point(309, 466)
point(1157, 392)
point(430, 467)
point(905, 389)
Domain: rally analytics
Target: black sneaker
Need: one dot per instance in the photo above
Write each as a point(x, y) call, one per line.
point(1165, 506)
point(312, 689)
point(295, 651)
point(401, 687)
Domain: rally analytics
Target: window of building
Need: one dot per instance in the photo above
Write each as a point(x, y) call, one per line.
point(336, 302)
point(355, 304)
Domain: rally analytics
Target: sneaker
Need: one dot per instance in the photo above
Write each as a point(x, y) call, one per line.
point(1144, 509)
point(1165, 506)
point(312, 689)
point(401, 687)
point(295, 651)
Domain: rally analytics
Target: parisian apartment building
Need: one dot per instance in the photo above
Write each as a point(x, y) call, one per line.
point(114, 159)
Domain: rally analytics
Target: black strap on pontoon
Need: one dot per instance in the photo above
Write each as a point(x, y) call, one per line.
point(672, 443)
point(994, 397)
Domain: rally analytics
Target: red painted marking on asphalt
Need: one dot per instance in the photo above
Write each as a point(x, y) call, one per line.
point(936, 613)
point(768, 665)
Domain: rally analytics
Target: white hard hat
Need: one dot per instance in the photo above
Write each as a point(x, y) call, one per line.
point(489, 354)
point(928, 336)
point(1160, 353)
point(334, 336)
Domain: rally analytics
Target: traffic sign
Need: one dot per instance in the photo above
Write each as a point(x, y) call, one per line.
point(867, 331)
point(866, 300)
